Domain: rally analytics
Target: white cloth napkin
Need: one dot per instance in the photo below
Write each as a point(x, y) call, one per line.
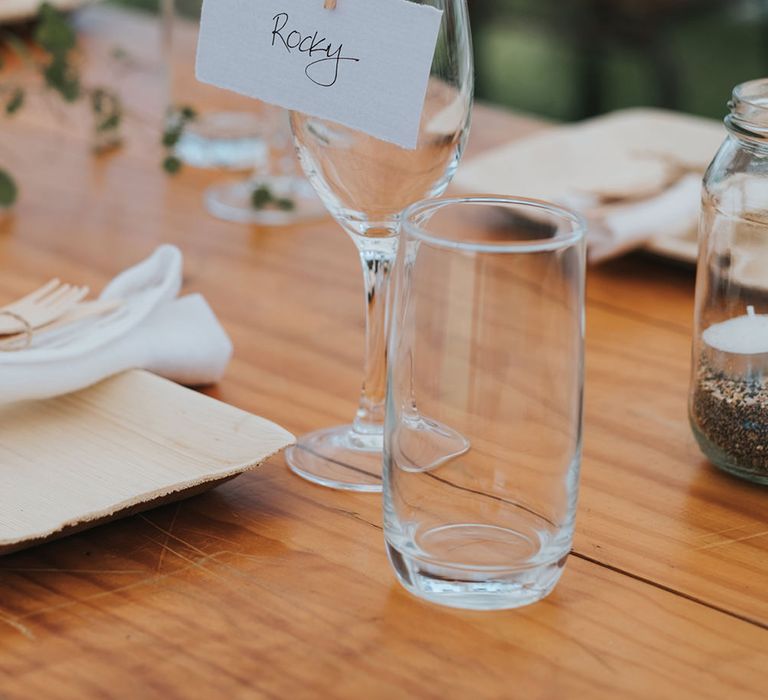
point(625, 158)
point(153, 329)
point(619, 229)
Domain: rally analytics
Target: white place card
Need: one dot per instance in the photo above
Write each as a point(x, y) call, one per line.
point(364, 64)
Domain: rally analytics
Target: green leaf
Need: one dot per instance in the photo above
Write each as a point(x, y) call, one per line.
point(171, 165)
point(260, 197)
point(15, 102)
point(285, 204)
point(107, 109)
point(188, 113)
point(54, 33)
point(99, 100)
point(8, 189)
point(104, 100)
point(62, 78)
point(171, 136)
point(57, 38)
point(110, 123)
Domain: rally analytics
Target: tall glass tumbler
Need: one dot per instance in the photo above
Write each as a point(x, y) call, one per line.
point(484, 406)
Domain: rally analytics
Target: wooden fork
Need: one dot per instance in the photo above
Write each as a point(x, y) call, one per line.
point(79, 312)
point(40, 307)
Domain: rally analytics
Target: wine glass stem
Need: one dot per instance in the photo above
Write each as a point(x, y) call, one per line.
point(377, 255)
point(167, 11)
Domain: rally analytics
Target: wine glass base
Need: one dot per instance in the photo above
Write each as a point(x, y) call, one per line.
point(338, 458)
point(234, 201)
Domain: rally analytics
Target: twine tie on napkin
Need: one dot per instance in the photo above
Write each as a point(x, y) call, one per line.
point(27, 329)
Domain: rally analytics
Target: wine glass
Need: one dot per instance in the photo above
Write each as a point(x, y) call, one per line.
point(366, 184)
point(227, 136)
point(276, 193)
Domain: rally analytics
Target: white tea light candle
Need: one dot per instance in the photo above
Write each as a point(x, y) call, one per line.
point(738, 347)
point(729, 407)
point(742, 335)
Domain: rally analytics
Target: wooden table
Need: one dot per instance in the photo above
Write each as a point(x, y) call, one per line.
point(272, 587)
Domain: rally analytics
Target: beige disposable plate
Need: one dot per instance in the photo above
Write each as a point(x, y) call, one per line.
point(125, 445)
point(21, 10)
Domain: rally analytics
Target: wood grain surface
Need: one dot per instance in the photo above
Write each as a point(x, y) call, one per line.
point(271, 587)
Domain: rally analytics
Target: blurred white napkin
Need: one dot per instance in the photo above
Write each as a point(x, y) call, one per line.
point(617, 229)
point(153, 329)
point(634, 174)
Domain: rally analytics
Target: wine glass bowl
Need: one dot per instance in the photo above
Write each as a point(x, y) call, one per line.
point(363, 180)
point(366, 183)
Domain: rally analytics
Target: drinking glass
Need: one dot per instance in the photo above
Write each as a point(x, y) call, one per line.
point(225, 136)
point(276, 193)
point(366, 183)
point(483, 427)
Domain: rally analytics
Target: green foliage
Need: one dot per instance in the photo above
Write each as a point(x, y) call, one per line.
point(54, 34)
point(8, 189)
point(176, 122)
point(171, 136)
point(15, 101)
point(262, 197)
point(189, 9)
point(58, 39)
point(63, 78)
point(60, 73)
point(107, 110)
point(171, 165)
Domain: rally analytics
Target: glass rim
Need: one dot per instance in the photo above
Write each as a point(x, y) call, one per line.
point(749, 110)
point(744, 93)
point(560, 241)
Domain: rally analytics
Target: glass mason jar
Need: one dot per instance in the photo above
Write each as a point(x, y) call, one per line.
point(729, 385)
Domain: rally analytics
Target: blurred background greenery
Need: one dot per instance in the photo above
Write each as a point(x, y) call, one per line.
point(570, 59)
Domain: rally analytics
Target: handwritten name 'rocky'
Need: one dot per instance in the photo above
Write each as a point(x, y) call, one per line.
point(323, 71)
